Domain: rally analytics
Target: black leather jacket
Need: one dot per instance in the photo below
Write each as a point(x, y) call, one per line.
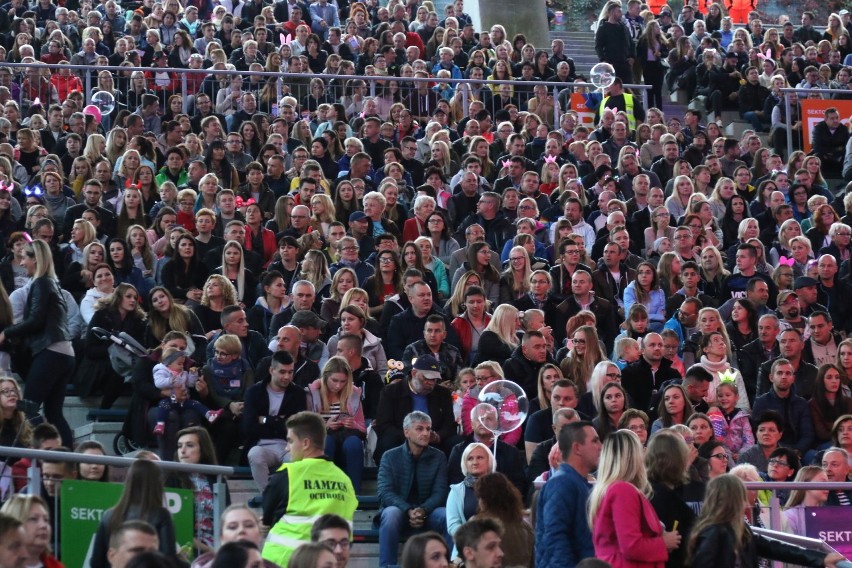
point(45, 316)
point(716, 547)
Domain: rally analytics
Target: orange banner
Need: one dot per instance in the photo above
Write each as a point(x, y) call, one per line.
point(813, 111)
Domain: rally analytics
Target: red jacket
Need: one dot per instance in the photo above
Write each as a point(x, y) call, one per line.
point(413, 38)
point(411, 229)
point(151, 77)
point(465, 330)
point(269, 244)
point(187, 221)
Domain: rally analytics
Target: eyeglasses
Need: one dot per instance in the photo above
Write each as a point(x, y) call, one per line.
point(349, 249)
point(218, 353)
point(722, 456)
point(778, 462)
point(483, 379)
point(637, 428)
point(343, 543)
point(9, 392)
point(615, 376)
point(517, 258)
point(298, 216)
point(526, 207)
point(384, 259)
point(580, 341)
point(572, 251)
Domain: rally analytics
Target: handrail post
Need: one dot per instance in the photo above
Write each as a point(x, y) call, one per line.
point(787, 110)
point(184, 98)
point(465, 89)
point(219, 504)
point(557, 108)
point(34, 478)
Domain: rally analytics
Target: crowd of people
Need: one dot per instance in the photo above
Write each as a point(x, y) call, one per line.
point(326, 274)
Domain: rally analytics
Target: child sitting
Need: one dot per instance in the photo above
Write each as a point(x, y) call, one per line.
point(228, 374)
point(736, 430)
point(671, 344)
point(626, 351)
point(170, 373)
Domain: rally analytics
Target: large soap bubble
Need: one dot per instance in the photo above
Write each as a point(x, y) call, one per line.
point(105, 101)
point(502, 407)
point(602, 75)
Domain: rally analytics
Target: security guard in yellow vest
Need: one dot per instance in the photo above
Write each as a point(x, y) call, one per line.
point(618, 100)
point(303, 490)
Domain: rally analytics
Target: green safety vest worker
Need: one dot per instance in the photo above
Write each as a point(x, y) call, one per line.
point(628, 109)
point(316, 487)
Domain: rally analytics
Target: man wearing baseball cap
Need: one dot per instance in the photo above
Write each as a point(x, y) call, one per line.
point(807, 290)
point(422, 393)
point(311, 326)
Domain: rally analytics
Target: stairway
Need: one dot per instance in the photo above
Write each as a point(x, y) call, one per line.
point(580, 46)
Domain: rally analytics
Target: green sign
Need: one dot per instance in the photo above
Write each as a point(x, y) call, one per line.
point(82, 504)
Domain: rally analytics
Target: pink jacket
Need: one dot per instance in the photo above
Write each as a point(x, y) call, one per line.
point(353, 405)
point(627, 532)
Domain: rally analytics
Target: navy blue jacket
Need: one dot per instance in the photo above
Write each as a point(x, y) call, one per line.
point(562, 534)
point(397, 474)
point(798, 428)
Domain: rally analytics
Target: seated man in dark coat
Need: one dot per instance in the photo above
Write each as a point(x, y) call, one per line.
point(421, 392)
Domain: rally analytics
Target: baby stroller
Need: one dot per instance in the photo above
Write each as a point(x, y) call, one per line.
point(124, 352)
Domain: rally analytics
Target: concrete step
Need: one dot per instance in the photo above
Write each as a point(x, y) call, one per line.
point(77, 408)
point(103, 432)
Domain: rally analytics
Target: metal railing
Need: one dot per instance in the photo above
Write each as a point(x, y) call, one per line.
point(555, 87)
point(34, 473)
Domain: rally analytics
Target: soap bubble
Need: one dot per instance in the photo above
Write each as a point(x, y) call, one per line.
point(105, 102)
point(602, 75)
point(502, 407)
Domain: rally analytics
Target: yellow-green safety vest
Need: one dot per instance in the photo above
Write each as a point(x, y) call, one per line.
point(317, 487)
point(628, 108)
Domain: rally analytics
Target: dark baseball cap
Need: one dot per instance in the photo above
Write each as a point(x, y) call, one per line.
point(307, 318)
point(429, 366)
point(804, 282)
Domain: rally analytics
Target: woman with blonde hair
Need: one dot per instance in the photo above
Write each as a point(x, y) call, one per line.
point(721, 535)
point(315, 270)
point(141, 250)
point(344, 280)
point(515, 280)
point(581, 357)
point(45, 327)
point(660, 227)
point(713, 271)
point(709, 321)
point(322, 213)
point(218, 293)
point(548, 374)
point(33, 513)
point(626, 530)
point(338, 401)
point(500, 336)
point(442, 157)
point(234, 269)
point(678, 202)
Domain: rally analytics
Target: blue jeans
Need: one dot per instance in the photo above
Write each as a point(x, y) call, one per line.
point(394, 523)
point(756, 122)
point(352, 450)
